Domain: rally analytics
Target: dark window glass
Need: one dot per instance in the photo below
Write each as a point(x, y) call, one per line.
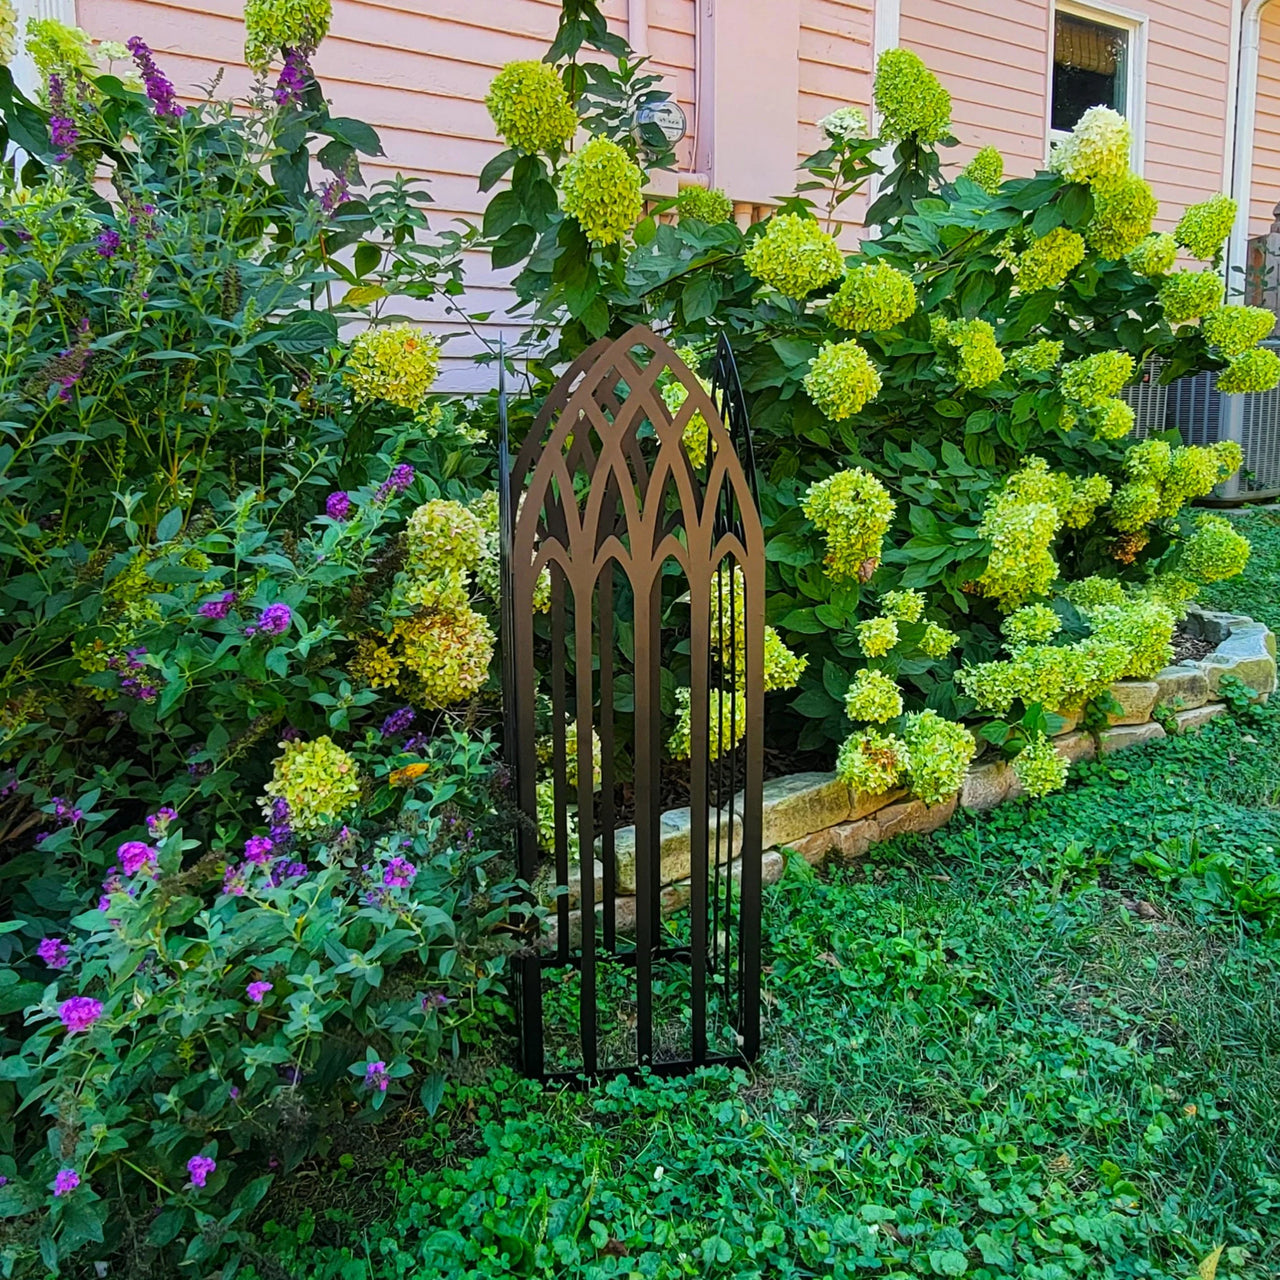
point(1089, 68)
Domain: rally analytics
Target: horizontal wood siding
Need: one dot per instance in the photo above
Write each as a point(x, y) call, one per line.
point(420, 79)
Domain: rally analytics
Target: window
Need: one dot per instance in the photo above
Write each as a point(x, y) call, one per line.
point(1096, 61)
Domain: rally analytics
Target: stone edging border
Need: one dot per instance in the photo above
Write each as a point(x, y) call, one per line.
point(815, 815)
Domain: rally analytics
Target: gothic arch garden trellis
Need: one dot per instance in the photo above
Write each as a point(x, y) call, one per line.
point(649, 535)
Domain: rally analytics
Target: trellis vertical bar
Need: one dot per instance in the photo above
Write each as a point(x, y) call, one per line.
point(608, 814)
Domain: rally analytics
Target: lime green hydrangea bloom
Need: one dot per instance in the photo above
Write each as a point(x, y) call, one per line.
point(1235, 330)
point(318, 780)
point(794, 255)
point(1256, 370)
point(1039, 357)
point(873, 696)
point(711, 206)
point(986, 170)
point(1193, 472)
point(444, 539)
point(696, 435)
point(1088, 493)
point(447, 646)
point(1123, 210)
point(1093, 380)
point(1085, 593)
point(397, 363)
point(937, 642)
point(1032, 624)
point(1112, 420)
point(1188, 295)
point(1204, 227)
point(903, 606)
point(871, 762)
point(909, 99)
point(273, 25)
point(1056, 677)
point(843, 126)
point(726, 723)
point(58, 50)
point(1169, 589)
point(1134, 505)
point(782, 667)
point(1143, 628)
point(940, 751)
point(841, 380)
point(976, 359)
point(1021, 522)
point(488, 569)
point(1049, 260)
point(8, 32)
point(1214, 551)
point(545, 748)
point(602, 191)
point(1097, 149)
point(876, 636)
point(872, 297)
point(530, 107)
point(1039, 768)
point(1149, 460)
point(854, 510)
point(1154, 255)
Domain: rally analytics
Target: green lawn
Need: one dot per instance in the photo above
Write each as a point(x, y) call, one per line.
point(1044, 1044)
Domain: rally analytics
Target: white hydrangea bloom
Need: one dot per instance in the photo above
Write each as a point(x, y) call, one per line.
point(1097, 151)
point(844, 125)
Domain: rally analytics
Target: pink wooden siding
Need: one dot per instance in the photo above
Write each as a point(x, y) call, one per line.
point(992, 59)
point(1266, 134)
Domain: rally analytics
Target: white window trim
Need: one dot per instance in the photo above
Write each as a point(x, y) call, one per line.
point(1135, 23)
point(23, 69)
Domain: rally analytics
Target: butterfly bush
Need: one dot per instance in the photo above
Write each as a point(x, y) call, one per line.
point(794, 255)
point(601, 187)
point(530, 107)
point(709, 205)
point(986, 169)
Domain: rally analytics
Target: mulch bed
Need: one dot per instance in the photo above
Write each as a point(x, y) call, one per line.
point(1189, 648)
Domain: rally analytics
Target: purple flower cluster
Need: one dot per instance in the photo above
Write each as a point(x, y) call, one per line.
point(399, 873)
point(258, 850)
point(200, 1167)
point(334, 192)
point(159, 87)
point(136, 856)
point(397, 722)
point(397, 482)
point(158, 822)
point(235, 880)
point(219, 608)
point(54, 952)
point(434, 1000)
point(63, 134)
point(79, 1013)
point(295, 77)
point(129, 682)
point(67, 814)
point(108, 243)
point(66, 1181)
point(286, 870)
point(376, 1077)
point(338, 506)
point(274, 620)
point(256, 991)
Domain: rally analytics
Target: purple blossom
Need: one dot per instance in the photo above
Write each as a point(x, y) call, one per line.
point(159, 87)
point(333, 193)
point(375, 1076)
point(200, 1167)
point(135, 856)
point(108, 243)
point(274, 620)
point(294, 78)
point(434, 1000)
point(63, 134)
point(79, 1013)
point(296, 869)
point(397, 482)
point(257, 990)
point(397, 722)
point(338, 505)
point(234, 1092)
point(66, 1182)
point(235, 880)
point(399, 873)
point(219, 608)
point(66, 813)
point(257, 849)
point(158, 822)
point(104, 902)
point(54, 952)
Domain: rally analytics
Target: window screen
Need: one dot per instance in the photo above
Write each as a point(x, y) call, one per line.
point(1090, 68)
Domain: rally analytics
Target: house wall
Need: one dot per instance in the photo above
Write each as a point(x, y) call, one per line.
point(766, 70)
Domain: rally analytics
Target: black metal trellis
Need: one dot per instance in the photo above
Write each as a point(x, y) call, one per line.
point(607, 499)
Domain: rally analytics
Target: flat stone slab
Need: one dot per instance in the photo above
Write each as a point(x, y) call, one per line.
point(986, 786)
point(1196, 718)
point(800, 804)
point(1130, 735)
point(1076, 747)
point(1137, 699)
point(1212, 626)
point(914, 817)
point(677, 847)
point(1182, 687)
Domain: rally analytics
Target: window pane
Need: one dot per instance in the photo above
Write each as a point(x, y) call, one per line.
point(1089, 68)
